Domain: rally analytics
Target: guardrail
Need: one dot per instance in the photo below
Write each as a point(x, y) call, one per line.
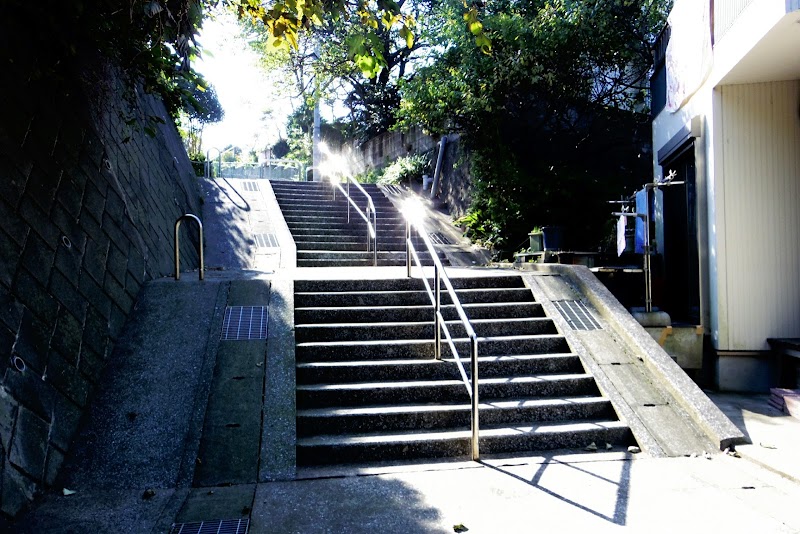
point(440, 325)
point(370, 217)
point(178, 248)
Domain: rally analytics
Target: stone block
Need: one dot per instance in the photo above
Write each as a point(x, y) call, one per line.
point(95, 296)
point(68, 336)
point(68, 224)
point(65, 377)
point(17, 491)
point(67, 294)
point(9, 258)
point(117, 294)
point(10, 309)
point(13, 224)
point(117, 321)
point(29, 444)
point(132, 286)
point(90, 225)
point(30, 391)
point(38, 220)
point(115, 207)
point(117, 263)
point(68, 263)
point(8, 416)
point(43, 183)
point(94, 258)
point(91, 364)
point(12, 185)
point(35, 297)
point(95, 331)
point(38, 258)
point(33, 340)
point(7, 339)
point(93, 201)
point(55, 459)
point(66, 419)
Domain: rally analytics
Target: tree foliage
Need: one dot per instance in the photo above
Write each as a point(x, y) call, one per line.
point(202, 108)
point(556, 118)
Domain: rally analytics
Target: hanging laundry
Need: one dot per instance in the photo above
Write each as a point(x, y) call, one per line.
point(621, 234)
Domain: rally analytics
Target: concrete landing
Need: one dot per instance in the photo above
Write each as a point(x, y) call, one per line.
point(134, 466)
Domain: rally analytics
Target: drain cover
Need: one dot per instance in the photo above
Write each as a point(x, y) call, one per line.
point(438, 238)
point(577, 315)
point(244, 322)
point(266, 240)
point(227, 526)
point(251, 186)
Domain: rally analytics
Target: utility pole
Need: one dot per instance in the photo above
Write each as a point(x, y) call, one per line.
point(315, 139)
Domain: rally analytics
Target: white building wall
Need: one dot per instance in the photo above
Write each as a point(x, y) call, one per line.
point(757, 216)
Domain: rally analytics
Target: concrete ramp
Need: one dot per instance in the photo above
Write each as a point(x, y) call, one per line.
point(667, 412)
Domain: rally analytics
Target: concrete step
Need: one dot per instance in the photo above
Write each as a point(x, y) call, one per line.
point(352, 258)
point(477, 282)
point(399, 298)
point(384, 327)
point(422, 312)
point(423, 348)
point(349, 243)
point(455, 416)
point(430, 369)
point(427, 391)
point(347, 449)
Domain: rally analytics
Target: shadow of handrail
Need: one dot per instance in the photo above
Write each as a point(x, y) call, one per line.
point(619, 516)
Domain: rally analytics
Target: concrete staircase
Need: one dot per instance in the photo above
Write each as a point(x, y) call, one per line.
point(324, 237)
point(369, 388)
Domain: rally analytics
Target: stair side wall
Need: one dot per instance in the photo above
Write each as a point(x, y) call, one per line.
point(88, 200)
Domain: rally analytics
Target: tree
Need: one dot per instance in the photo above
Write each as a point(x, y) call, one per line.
point(202, 108)
point(555, 118)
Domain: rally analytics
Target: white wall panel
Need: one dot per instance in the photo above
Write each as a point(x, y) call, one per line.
point(760, 130)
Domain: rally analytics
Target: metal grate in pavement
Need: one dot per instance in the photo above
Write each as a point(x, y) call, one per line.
point(577, 315)
point(227, 526)
point(266, 240)
point(251, 186)
point(438, 238)
point(244, 322)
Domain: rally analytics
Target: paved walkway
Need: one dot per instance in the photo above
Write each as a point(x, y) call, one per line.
point(559, 492)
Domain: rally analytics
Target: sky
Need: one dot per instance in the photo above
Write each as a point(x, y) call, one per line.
point(243, 89)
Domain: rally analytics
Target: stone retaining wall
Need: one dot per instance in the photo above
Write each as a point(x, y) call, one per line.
point(88, 199)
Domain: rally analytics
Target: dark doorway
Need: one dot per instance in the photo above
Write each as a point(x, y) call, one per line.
point(681, 263)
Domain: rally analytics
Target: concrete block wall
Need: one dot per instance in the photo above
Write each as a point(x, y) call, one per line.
point(382, 150)
point(88, 199)
point(455, 188)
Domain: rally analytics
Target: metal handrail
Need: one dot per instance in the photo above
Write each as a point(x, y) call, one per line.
point(177, 245)
point(370, 217)
point(440, 325)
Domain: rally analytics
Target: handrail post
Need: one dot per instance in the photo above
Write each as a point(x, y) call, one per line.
point(475, 411)
point(177, 244)
point(369, 236)
point(437, 309)
point(408, 247)
point(348, 203)
point(375, 244)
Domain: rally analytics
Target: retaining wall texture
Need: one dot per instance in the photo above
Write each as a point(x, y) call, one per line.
point(87, 207)
point(455, 187)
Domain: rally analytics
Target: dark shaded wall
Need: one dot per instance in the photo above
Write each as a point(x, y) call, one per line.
point(88, 199)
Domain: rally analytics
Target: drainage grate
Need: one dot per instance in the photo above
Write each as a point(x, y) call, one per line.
point(244, 322)
point(227, 526)
point(577, 315)
point(438, 238)
point(266, 241)
point(251, 186)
